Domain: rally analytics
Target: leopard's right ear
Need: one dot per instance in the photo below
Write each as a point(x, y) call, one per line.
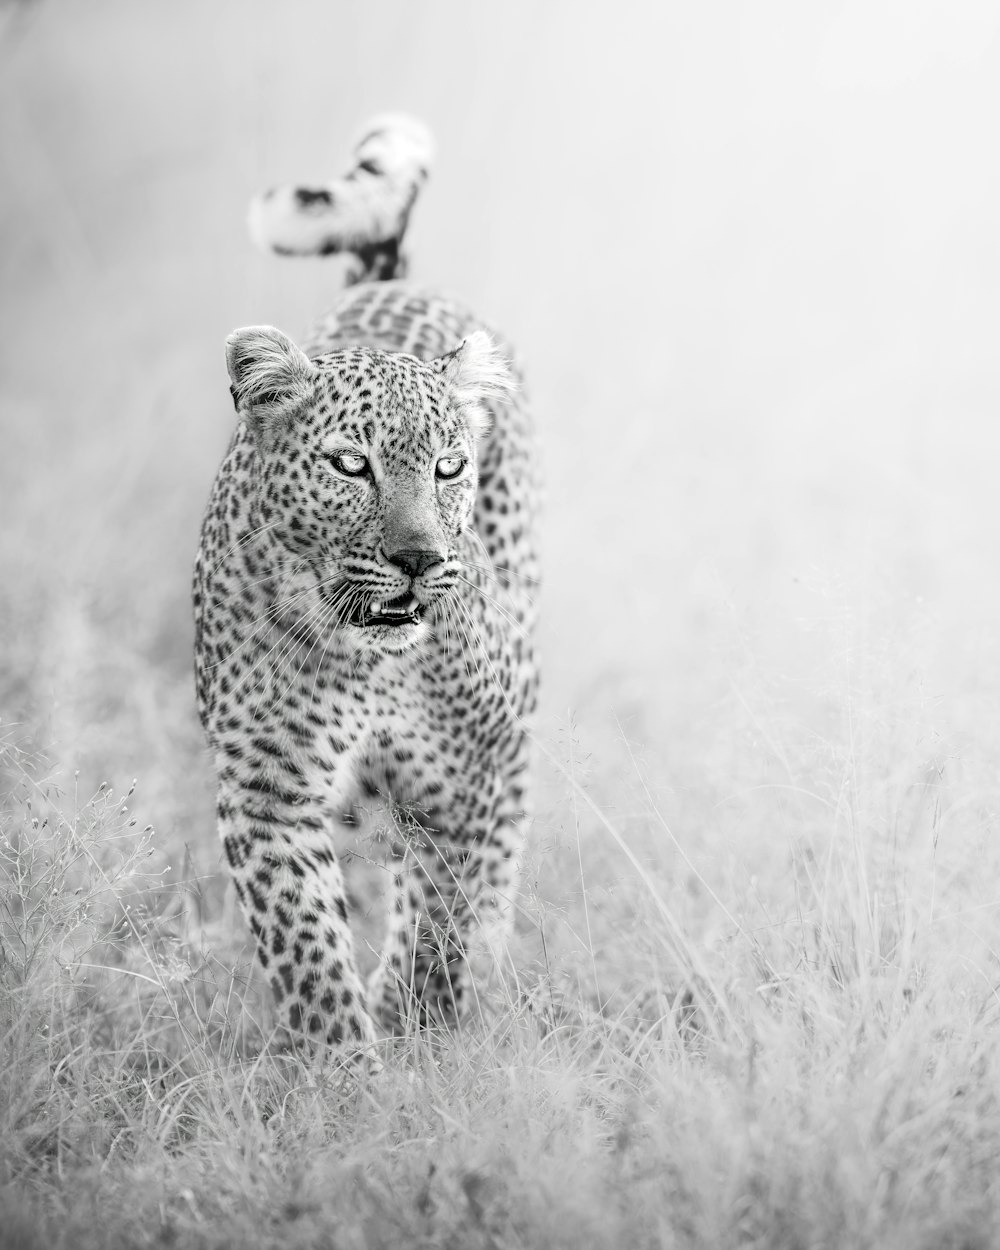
point(269, 377)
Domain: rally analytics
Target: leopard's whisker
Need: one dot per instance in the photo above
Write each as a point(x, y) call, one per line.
point(489, 662)
point(494, 570)
point(500, 578)
point(254, 582)
point(278, 607)
point(240, 542)
point(283, 650)
point(468, 648)
point(492, 565)
point(494, 602)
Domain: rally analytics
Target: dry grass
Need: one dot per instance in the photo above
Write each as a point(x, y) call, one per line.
point(789, 1043)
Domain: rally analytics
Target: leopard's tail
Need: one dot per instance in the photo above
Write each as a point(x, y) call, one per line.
point(364, 213)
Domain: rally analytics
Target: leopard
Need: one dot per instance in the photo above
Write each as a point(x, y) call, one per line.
point(365, 604)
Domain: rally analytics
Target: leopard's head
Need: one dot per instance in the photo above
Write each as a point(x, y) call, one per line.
point(365, 471)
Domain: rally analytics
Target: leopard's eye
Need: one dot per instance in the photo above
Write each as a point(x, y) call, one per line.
point(350, 463)
point(450, 467)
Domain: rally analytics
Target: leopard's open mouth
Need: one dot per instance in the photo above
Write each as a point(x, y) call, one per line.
point(403, 610)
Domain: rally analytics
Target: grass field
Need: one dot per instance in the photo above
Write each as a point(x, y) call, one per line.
point(750, 258)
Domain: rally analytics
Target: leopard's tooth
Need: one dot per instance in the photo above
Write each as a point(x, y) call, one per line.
point(375, 608)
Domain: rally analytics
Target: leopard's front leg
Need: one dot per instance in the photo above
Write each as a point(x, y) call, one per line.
point(422, 977)
point(452, 910)
point(291, 889)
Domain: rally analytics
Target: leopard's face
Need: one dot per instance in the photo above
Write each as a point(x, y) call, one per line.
point(371, 483)
point(366, 474)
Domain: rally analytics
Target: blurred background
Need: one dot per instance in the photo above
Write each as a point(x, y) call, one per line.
point(750, 257)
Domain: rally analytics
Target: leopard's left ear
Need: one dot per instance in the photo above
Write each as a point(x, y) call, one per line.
point(477, 372)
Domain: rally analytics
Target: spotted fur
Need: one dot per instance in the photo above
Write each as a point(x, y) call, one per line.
point(364, 607)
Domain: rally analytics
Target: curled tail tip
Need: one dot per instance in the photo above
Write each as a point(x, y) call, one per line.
point(366, 208)
point(398, 143)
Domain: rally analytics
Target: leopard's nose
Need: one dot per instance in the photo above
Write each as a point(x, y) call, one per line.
point(414, 563)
